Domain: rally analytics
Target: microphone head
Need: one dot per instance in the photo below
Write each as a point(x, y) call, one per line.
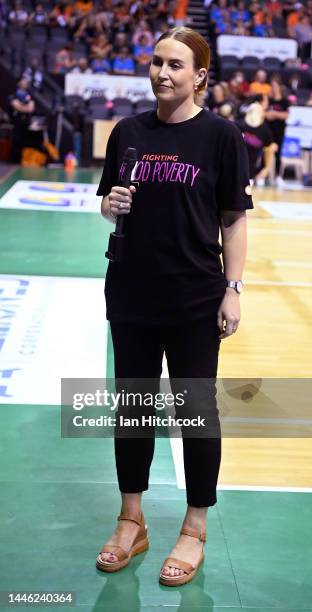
point(131, 154)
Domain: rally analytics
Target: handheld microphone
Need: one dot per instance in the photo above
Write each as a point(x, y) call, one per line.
point(116, 239)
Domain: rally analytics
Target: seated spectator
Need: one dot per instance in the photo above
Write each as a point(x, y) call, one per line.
point(303, 34)
point(240, 29)
point(63, 60)
point(61, 14)
point(273, 8)
point(82, 66)
point(260, 85)
point(101, 47)
point(293, 18)
point(239, 13)
point(90, 27)
point(261, 29)
point(18, 16)
point(39, 16)
point(104, 13)
point(143, 29)
point(143, 52)
point(123, 62)
point(257, 12)
point(101, 65)
point(33, 74)
point(120, 40)
point(238, 86)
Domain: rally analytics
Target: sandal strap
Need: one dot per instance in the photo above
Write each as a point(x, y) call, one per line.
point(120, 552)
point(179, 564)
point(126, 517)
point(195, 533)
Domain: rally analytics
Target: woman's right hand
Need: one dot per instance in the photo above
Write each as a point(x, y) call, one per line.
point(120, 199)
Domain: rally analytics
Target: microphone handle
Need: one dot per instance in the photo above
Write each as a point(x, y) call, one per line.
point(121, 218)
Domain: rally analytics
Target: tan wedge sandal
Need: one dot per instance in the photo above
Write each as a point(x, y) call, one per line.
point(189, 569)
point(139, 545)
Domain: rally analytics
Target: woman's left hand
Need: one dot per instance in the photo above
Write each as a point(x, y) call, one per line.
point(229, 313)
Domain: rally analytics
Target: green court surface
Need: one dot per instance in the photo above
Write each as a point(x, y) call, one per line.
point(60, 499)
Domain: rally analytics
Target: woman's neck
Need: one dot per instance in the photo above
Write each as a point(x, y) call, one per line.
point(171, 114)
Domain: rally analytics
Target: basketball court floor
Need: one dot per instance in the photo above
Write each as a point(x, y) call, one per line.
point(59, 495)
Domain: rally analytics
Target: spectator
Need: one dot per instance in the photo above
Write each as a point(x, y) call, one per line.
point(217, 98)
point(238, 86)
point(277, 115)
point(259, 141)
point(239, 13)
point(143, 29)
point(180, 12)
point(63, 60)
point(18, 16)
point(143, 52)
point(260, 85)
point(123, 62)
point(101, 47)
point(105, 13)
point(309, 101)
point(293, 18)
point(90, 27)
point(82, 66)
point(39, 16)
point(101, 64)
point(33, 74)
point(22, 108)
point(82, 7)
point(303, 34)
point(273, 8)
point(61, 14)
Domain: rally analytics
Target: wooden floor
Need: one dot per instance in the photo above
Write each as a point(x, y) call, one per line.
point(274, 339)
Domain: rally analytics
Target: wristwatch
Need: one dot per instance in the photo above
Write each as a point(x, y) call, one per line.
point(237, 285)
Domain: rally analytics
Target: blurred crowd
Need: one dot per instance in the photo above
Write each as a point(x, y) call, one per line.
point(270, 18)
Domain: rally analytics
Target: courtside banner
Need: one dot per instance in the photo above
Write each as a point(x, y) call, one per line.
point(240, 46)
point(188, 407)
point(47, 195)
point(49, 328)
point(109, 86)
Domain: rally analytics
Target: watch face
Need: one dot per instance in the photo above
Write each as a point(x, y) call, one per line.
point(239, 286)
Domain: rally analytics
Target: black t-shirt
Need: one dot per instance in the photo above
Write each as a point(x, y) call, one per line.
point(187, 173)
point(277, 126)
point(256, 138)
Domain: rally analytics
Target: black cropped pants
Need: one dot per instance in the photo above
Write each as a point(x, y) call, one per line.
point(191, 351)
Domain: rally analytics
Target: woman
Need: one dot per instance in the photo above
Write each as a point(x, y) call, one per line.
point(277, 115)
point(170, 294)
point(259, 141)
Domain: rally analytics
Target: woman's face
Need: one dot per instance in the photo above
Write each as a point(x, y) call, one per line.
point(172, 66)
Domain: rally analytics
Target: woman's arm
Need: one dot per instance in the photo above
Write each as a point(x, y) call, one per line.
point(234, 247)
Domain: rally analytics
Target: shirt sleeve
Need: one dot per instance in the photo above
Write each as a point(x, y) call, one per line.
point(233, 190)
point(109, 176)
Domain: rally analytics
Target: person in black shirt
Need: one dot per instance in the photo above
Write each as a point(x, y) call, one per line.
point(171, 293)
point(276, 115)
point(259, 141)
